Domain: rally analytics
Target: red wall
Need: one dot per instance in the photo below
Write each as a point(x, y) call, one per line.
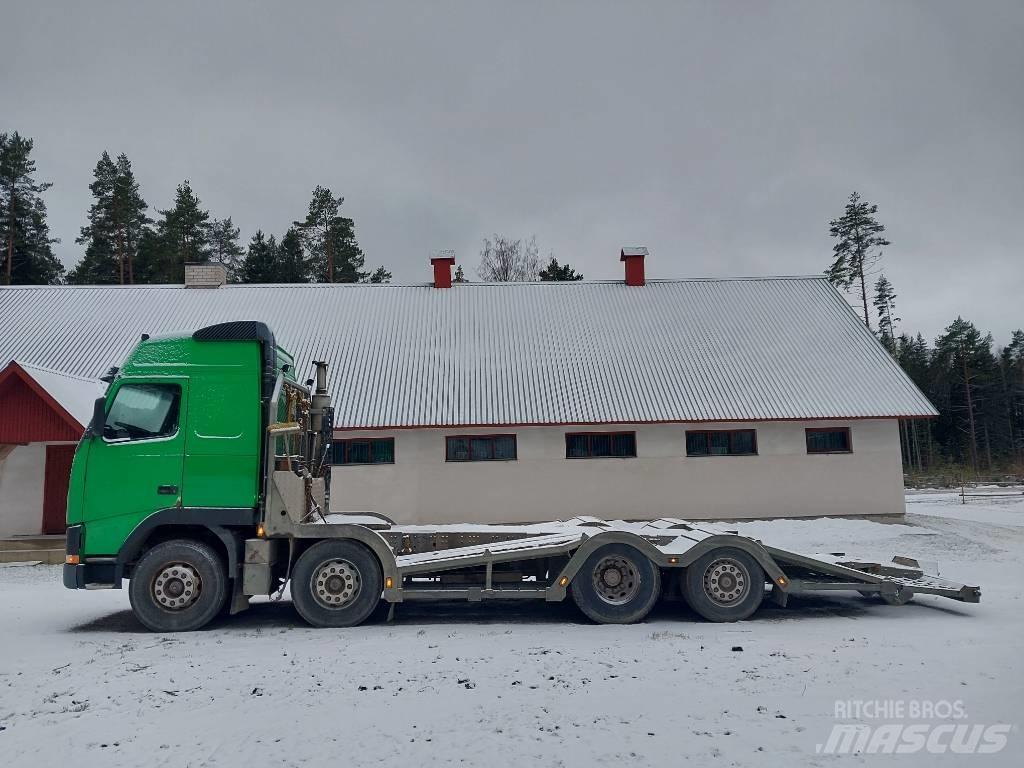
point(26, 418)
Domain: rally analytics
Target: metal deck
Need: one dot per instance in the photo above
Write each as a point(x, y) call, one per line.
point(425, 551)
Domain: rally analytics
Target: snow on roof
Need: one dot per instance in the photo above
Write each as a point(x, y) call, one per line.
point(75, 394)
point(512, 353)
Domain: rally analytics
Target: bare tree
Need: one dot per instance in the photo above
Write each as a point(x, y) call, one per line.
point(504, 260)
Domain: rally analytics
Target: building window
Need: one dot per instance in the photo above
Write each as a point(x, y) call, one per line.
point(829, 440)
point(725, 442)
point(600, 445)
point(364, 450)
point(480, 448)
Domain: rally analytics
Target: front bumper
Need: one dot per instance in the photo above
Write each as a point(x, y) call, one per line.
point(88, 575)
point(91, 576)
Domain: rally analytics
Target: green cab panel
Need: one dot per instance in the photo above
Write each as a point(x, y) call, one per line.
point(222, 449)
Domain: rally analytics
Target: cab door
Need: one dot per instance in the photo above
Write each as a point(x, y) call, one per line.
point(136, 465)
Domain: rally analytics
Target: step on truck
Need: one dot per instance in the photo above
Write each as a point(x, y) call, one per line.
point(203, 480)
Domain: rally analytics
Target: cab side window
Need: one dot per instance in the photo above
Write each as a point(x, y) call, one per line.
point(143, 412)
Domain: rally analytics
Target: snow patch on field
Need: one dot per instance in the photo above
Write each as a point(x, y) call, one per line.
point(82, 683)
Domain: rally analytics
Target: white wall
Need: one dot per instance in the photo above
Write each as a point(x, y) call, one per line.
point(782, 480)
point(21, 490)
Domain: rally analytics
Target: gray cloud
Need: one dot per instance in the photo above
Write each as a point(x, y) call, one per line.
point(723, 136)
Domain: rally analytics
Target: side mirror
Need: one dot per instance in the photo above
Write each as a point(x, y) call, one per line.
point(99, 416)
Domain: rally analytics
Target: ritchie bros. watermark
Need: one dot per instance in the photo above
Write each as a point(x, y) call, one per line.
point(909, 726)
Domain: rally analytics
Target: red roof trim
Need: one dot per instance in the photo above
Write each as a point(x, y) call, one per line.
point(604, 423)
point(14, 370)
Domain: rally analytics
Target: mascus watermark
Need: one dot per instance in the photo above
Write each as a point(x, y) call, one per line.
point(922, 725)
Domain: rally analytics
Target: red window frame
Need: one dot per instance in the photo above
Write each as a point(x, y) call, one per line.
point(469, 458)
point(809, 430)
point(729, 432)
point(591, 435)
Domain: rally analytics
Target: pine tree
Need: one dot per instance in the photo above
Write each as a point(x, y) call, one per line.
point(291, 259)
point(380, 275)
point(885, 305)
point(225, 248)
point(555, 272)
point(460, 275)
point(152, 260)
point(99, 265)
point(182, 236)
point(1011, 370)
point(187, 227)
point(330, 241)
point(260, 262)
point(858, 237)
point(130, 218)
point(117, 217)
point(27, 255)
point(962, 374)
point(913, 356)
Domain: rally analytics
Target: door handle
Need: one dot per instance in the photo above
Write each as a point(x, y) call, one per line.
point(167, 490)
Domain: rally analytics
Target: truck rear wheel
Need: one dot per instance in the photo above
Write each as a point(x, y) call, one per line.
point(726, 584)
point(617, 585)
point(336, 583)
point(178, 586)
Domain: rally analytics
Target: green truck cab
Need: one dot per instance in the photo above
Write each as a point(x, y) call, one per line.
point(176, 448)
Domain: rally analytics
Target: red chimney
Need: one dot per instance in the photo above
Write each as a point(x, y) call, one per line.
point(634, 258)
point(443, 271)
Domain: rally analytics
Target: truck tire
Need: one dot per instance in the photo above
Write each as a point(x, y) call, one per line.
point(336, 583)
point(726, 584)
point(617, 584)
point(178, 586)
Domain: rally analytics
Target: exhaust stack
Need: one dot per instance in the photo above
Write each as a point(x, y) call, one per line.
point(321, 400)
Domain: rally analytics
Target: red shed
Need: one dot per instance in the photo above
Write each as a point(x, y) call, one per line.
point(42, 415)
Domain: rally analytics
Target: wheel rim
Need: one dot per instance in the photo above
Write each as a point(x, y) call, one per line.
point(616, 580)
point(177, 586)
point(726, 581)
point(336, 583)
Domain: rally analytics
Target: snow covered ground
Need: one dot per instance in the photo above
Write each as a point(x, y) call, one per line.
point(533, 685)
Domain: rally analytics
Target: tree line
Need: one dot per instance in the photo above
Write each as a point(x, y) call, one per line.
point(977, 387)
point(124, 244)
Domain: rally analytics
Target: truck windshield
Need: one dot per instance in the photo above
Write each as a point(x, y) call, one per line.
point(142, 411)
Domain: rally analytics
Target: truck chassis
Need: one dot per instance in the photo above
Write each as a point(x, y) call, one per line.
point(614, 570)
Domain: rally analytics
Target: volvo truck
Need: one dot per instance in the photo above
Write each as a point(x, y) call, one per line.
point(203, 480)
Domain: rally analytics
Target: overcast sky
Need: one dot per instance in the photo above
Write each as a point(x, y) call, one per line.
point(722, 136)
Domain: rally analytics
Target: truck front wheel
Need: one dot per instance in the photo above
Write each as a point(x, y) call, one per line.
point(336, 583)
point(178, 586)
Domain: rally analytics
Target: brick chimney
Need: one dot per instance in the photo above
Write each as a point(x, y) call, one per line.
point(207, 274)
point(634, 258)
point(443, 261)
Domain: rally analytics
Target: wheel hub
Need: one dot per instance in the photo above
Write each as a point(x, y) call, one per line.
point(177, 586)
point(726, 581)
point(616, 580)
point(336, 583)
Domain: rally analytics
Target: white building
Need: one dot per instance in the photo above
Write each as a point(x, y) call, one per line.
point(757, 397)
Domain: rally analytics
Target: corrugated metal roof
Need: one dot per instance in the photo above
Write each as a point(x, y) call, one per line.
point(521, 353)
